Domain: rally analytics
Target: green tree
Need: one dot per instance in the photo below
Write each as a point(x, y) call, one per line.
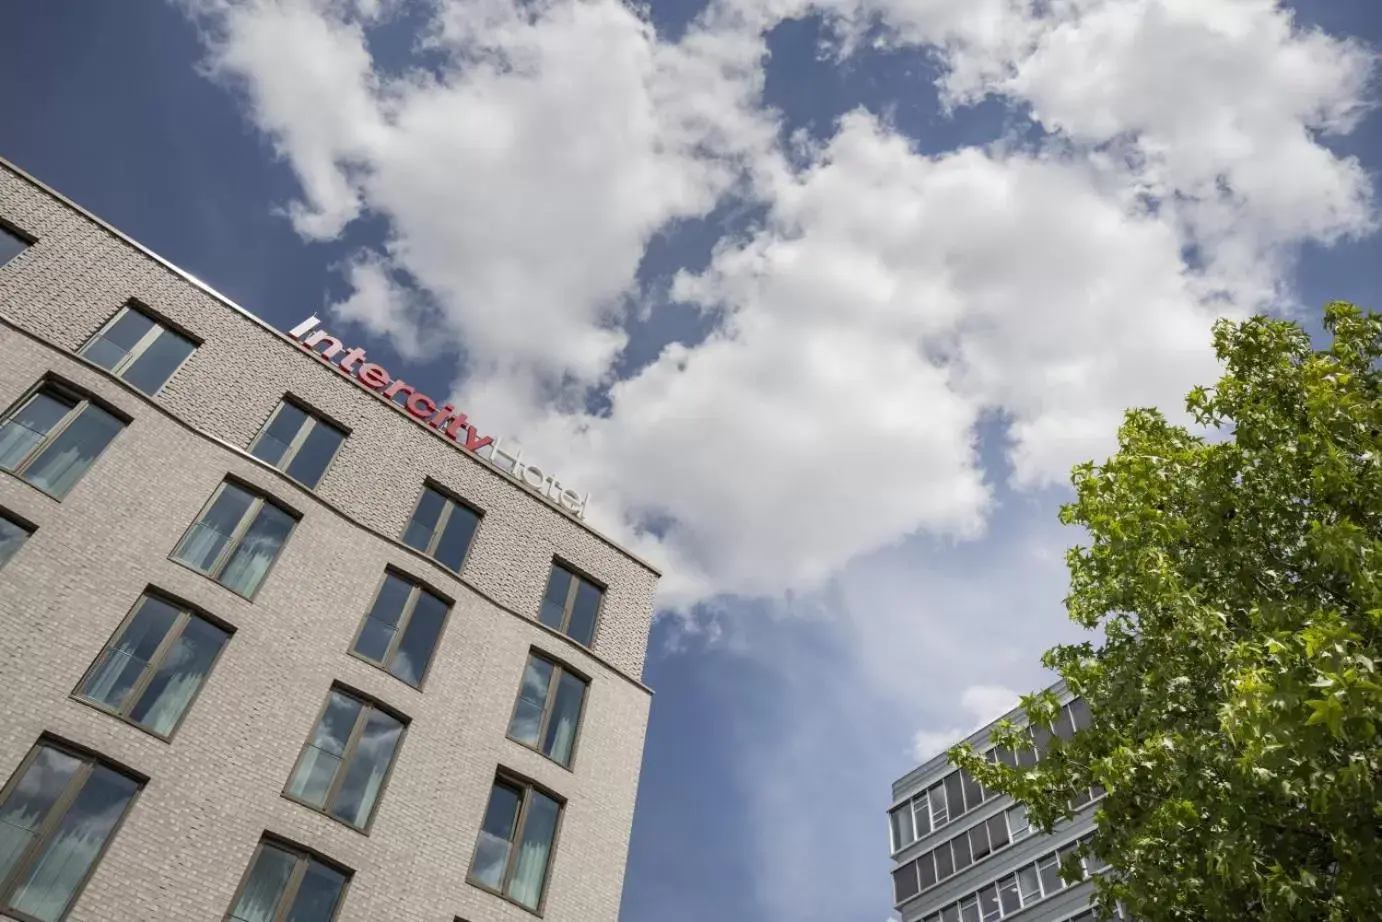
point(1233, 579)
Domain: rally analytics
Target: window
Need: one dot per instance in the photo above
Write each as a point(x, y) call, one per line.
point(298, 443)
point(926, 870)
point(1028, 884)
point(1007, 895)
point(1018, 826)
point(286, 885)
point(236, 539)
point(944, 866)
point(514, 848)
point(939, 813)
point(979, 841)
point(53, 436)
point(1079, 713)
point(950, 913)
point(12, 536)
point(969, 909)
point(988, 903)
point(138, 349)
point(1048, 868)
point(345, 763)
point(571, 605)
point(11, 244)
point(154, 665)
point(442, 528)
point(921, 813)
point(954, 794)
point(58, 813)
point(905, 883)
point(548, 710)
point(959, 846)
point(900, 821)
point(998, 831)
point(974, 791)
point(401, 630)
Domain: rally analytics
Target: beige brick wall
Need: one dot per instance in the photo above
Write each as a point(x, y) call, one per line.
point(217, 786)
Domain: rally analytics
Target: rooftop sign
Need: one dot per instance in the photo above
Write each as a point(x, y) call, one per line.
point(445, 419)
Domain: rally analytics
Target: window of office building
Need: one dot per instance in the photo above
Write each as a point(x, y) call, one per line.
point(572, 604)
point(401, 630)
point(13, 534)
point(139, 349)
point(236, 539)
point(284, 884)
point(298, 443)
point(53, 435)
point(442, 528)
point(514, 848)
point(346, 762)
point(548, 710)
point(57, 815)
point(11, 244)
point(154, 666)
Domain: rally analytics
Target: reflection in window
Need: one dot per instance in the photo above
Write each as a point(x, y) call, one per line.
point(297, 443)
point(138, 349)
point(344, 764)
point(400, 632)
point(285, 885)
point(57, 814)
point(11, 245)
point(53, 436)
point(236, 539)
point(514, 847)
point(442, 528)
point(548, 709)
point(571, 605)
point(154, 665)
point(12, 536)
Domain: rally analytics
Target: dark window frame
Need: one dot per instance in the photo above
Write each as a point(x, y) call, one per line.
point(23, 524)
point(90, 759)
point(304, 855)
point(578, 575)
point(161, 323)
point(315, 418)
point(369, 703)
point(186, 612)
point(452, 500)
point(237, 537)
point(404, 620)
point(526, 786)
point(65, 391)
point(20, 234)
point(559, 667)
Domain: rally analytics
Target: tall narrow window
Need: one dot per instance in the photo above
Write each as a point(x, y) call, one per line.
point(921, 814)
point(53, 436)
point(400, 632)
point(548, 709)
point(56, 817)
point(236, 538)
point(442, 528)
point(900, 821)
point(154, 665)
point(138, 349)
point(11, 244)
point(298, 443)
point(905, 884)
point(572, 604)
point(286, 885)
point(514, 848)
point(346, 761)
point(12, 535)
point(1028, 884)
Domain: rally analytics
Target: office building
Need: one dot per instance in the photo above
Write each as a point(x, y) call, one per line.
point(279, 638)
point(962, 853)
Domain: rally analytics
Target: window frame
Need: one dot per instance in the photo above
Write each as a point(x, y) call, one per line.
point(315, 418)
point(23, 524)
point(558, 669)
point(186, 613)
point(20, 234)
point(90, 759)
point(452, 500)
point(404, 620)
point(349, 751)
point(237, 536)
point(304, 856)
point(526, 786)
point(65, 391)
point(161, 324)
point(569, 605)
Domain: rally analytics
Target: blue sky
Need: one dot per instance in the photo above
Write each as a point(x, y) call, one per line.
point(821, 299)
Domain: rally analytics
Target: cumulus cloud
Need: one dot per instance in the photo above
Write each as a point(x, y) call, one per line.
point(983, 703)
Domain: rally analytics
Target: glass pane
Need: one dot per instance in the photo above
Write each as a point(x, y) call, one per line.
point(10, 246)
point(204, 542)
point(1017, 821)
point(526, 722)
point(275, 437)
point(998, 831)
point(905, 882)
point(974, 792)
point(121, 666)
point(181, 673)
point(921, 814)
point(979, 841)
point(926, 870)
point(1028, 886)
point(54, 878)
point(1049, 871)
point(530, 870)
point(153, 369)
point(419, 532)
point(969, 910)
point(583, 612)
point(1079, 713)
point(323, 752)
point(257, 551)
point(554, 604)
point(29, 424)
point(126, 332)
point(566, 714)
point(419, 639)
point(492, 846)
point(901, 820)
point(11, 537)
point(62, 463)
point(951, 913)
point(959, 848)
point(988, 903)
point(382, 620)
point(318, 894)
point(1007, 894)
point(455, 540)
point(944, 867)
point(315, 454)
point(29, 801)
point(939, 813)
point(954, 794)
point(259, 900)
point(373, 755)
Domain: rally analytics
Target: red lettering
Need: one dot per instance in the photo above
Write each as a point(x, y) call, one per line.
point(473, 444)
point(333, 346)
point(455, 427)
point(396, 387)
point(444, 416)
point(418, 411)
point(371, 375)
point(351, 357)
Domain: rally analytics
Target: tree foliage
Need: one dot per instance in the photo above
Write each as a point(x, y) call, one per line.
point(1234, 581)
